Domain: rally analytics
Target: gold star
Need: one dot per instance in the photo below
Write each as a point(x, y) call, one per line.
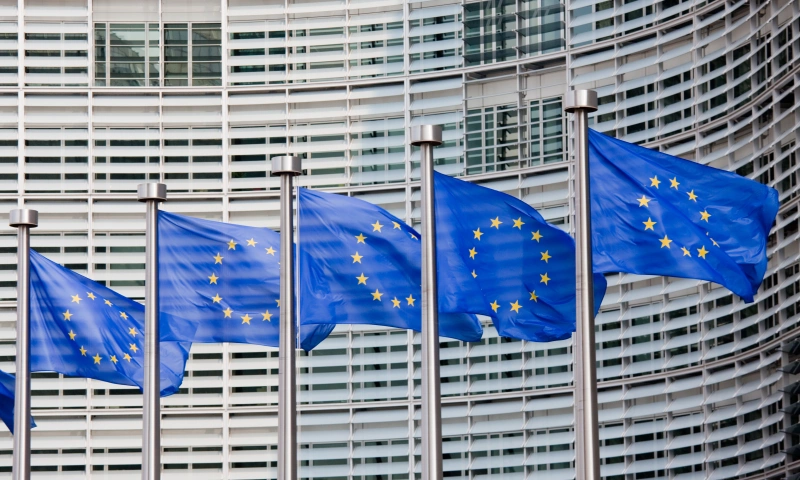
point(360, 238)
point(534, 297)
point(701, 252)
point(113, 359)
point(516, 306)
point(246, 319)
point(648, 225)
point(376, 227)
point(692, 196)
point(127, 357)
point(474, 275)
point(216, 298)
point(227, 312)
point(97, 358)
point(362, 279)
point(643, 202)
point(395, 303)
point(252, 242)
point(472, 253)
point(232, 245)
point(278, 302)
point(72, 335)
point(674, 183)
point(376, 295)
point(714, 242)
point(396, 225)
point(537, 236)
point(67, 315)
point(132, 332)
point(133, 347)
point(686, 252)
point(704, 215)
point(546, 256)
point(218, 258)
point(665, 241)
point(494, 306)
point(518, 223)
point(357, 257)
point(108, 302)
point(477, 233)
point(544, 278)
point(410, 299)
point(270, 251)
point(83, 351)
point(90, 295)
point(123, 315)
point(267, 317)
point(496, 222)
point(213, 279)
point(654, 181)
point(76, 299)
point(413, 236)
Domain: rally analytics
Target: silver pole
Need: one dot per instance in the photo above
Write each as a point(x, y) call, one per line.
point(426, 137)
point(287, 167)
point(24, 219)
point(152, 194)
point(587, 449)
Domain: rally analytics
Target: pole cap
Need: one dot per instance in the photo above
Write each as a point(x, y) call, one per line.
point(286, 165)
point(23, 217)
point(422, 134)
point(152, 191)
point(576, 100)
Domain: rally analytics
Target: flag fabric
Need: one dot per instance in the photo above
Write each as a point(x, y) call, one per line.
point(83, 329)
point(7, 387)
point(503, 260)
point(655, 214)
point(358, 264)
point(224, 278)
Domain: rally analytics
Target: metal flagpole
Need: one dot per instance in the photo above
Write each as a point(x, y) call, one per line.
point(587, 449)
point(24, 219)
point(426, 137)
point(152, 194)
point(287, 167)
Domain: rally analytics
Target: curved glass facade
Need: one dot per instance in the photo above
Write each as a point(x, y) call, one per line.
point(693, 383)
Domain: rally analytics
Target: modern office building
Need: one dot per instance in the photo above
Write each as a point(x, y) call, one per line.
point(97, 96)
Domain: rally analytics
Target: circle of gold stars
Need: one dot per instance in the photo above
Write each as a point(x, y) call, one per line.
point(97, 358)
point(666, 242)
point(214, 279)
point(536, 236)
point(377, 295)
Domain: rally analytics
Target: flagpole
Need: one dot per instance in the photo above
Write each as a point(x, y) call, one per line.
point(426, 137)
point(287, 167)
point(587, 450)
point(152, 194)
point(24, 219)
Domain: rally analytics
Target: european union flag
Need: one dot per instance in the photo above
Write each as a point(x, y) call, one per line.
point(503, 260)
point(225, 278)
point(358, 264)
point(83, 329)
point(655, 214)
point(7, 387)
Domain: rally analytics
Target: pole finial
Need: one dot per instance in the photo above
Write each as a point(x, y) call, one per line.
point(421, 134)
point(288, 164)
point(22, 217)
point(580, 100)
point(152, 191)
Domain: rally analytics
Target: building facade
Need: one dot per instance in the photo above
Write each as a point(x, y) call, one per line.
point(97, 96)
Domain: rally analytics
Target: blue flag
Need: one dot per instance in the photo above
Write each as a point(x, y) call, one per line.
point(7, 387)
point(225, 278)
point(503, 260)
point(655, 214)
point(358, 264)
point(83, 329)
